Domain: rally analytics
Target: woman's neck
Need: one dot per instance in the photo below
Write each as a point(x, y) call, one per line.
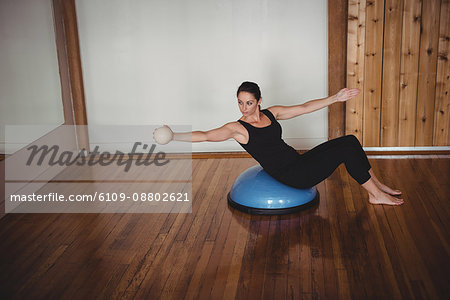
point(254, 118)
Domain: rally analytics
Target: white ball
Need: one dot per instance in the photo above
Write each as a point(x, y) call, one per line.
point(163, 135)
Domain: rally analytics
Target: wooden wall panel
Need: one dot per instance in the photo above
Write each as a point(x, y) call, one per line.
point(409, 67)
point(74, 58)
point(337, 54)
point(404, 73)
point(68, 11)
point(63, 62)
point(429, 39)
point(441, 114)
point(355, 66)
point(391, 70)
point(372, 72)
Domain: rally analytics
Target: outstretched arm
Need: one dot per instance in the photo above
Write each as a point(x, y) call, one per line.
point(287, 112)
point(220, 134)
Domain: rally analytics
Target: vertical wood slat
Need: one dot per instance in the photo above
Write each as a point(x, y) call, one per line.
point(62, 62)
point(391, 70)
point(355, 66)
point(441, 136)
point(409, 66)
point(76, 75)
point(372, 72)
point(427, 72)
point(337, 41)
point(74, 57)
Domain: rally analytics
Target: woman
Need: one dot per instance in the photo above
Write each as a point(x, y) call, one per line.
point(259, 133)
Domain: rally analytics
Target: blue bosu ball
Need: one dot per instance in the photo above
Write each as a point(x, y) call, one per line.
point(256, 192)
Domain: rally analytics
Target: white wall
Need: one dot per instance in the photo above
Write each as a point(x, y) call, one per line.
point(180, 62)
point(30, 89)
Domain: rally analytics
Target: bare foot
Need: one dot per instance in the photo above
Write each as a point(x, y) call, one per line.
point(388, 190)
point(385, 199)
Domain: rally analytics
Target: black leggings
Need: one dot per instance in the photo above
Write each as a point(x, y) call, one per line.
point(320, 162)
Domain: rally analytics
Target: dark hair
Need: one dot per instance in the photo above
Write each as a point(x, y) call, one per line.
point(251, 88)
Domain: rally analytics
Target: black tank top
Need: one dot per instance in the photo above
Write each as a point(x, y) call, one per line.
point(267, 147)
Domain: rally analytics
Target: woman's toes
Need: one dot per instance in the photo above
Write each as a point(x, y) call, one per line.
point(386, 199)
point(395, 192)
point(390, 191)
point(399, 201)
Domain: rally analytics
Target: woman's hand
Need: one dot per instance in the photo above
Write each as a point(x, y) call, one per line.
point(346, 94)
point(163, 135)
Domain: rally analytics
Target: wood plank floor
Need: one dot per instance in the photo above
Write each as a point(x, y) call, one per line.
point(344, 248)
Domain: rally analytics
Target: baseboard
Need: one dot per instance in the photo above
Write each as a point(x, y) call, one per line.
point(378, 151)
point(242, 154)
point(429, 150)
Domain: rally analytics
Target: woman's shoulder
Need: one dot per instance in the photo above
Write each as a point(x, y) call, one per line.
point(234, 125)
point(273, 110)
point(240, 133)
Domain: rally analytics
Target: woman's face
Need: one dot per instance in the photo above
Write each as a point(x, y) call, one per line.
point(247, 103)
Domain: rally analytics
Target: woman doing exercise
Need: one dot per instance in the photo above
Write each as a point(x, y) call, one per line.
point(259, 133)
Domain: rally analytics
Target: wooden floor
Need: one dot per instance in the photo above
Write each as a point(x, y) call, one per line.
point(344, 248)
